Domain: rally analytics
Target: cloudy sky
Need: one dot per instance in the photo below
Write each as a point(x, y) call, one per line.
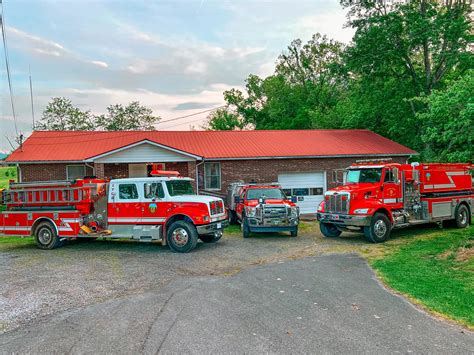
point(176, 57)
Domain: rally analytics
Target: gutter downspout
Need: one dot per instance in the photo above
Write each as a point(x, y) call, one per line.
point(197, 175)
point(90, 166)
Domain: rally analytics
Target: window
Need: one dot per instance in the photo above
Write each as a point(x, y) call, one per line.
point(74, 172)
point(128, 192)
point(287, 192)
point(153, 190)
point(316, 191)
point(300, 191)
point(179, 187)
point(212, 176)
point(364, 175)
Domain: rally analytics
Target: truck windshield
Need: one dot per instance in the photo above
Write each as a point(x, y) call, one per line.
point(255, 194)
point(364, 175)
point(179, 187)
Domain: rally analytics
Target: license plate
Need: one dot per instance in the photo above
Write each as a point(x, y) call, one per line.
point(219, 225)
point(336, 217)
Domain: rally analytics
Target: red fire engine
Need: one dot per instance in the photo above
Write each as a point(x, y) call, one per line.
point(379, 197)
point(162, 207)
point(262, 208)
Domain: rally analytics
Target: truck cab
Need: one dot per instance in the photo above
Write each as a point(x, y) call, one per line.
point(262, 208)
point(378, 197)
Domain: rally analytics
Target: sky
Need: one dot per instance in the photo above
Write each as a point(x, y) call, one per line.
point(176, 57)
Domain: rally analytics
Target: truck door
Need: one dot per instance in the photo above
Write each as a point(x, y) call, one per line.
point(124, 204)
point(391, 187)
point(153, 203)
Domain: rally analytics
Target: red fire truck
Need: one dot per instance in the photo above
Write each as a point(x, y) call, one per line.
point(163, 207)
point(378, 197)
point(262, 208)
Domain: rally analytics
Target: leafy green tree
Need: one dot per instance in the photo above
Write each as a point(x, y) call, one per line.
point(450, 122)
point(132, 117)
point(306, 85)
point(61, 115)
point(224, 120)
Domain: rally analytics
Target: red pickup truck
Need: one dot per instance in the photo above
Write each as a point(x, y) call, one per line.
point(262, 208)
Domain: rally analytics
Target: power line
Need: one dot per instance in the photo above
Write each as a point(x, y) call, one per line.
point(192, 114)
point(7, 64)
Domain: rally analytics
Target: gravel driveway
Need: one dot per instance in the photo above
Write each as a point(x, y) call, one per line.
point(322, 304)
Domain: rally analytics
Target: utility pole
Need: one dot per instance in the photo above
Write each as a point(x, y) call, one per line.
point(31, 98)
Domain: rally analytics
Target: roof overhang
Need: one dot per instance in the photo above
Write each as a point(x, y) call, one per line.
point(316, 156)
point(145, 141)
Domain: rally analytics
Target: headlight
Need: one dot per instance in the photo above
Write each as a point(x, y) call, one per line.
point(361, 211)
point(250, 211)
point(295, 211)
point(321, 207)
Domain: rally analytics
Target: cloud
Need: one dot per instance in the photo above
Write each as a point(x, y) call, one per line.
point(99, 63)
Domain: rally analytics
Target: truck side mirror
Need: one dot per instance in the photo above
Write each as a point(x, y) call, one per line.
point(294, 199)
point(237, 199)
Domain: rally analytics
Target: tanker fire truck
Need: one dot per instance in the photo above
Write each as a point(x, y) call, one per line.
point(378, 197)
point(162, 207)
point(262, 208)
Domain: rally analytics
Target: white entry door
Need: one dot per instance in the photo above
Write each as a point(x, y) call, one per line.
point(308, 187)
point(137, 170)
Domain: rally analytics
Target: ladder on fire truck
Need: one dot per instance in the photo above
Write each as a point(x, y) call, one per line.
point(41, 193)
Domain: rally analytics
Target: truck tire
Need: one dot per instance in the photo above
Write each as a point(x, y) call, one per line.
point(329, 230)
point(210, 238)
point(379, 229)
point(462, 216)
point(46, 236)
point(294, 233)
point(245, 227)
point(232, 217)
point(182, 237)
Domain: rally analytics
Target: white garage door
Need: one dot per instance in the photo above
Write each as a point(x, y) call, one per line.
point(309, 187)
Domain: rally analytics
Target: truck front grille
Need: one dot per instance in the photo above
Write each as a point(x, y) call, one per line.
point(274, 211)
point(337, 203)
point(216, 207)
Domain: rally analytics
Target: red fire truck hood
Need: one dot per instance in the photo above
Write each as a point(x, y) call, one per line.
point(355, 187)
point(254, 203)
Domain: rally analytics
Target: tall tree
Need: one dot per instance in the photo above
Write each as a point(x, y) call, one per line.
point(450, 121)
point(132, 117)
point(61, 115)
point(306, 84)
point(224, 119)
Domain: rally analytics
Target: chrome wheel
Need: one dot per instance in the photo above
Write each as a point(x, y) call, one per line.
point(463, 216)
point(380, 228)
point(45, 236)
point(180, 236)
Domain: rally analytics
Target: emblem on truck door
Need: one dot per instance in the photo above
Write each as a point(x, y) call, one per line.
point(152, 207)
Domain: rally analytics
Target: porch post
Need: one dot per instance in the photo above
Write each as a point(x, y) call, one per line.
point(99, 170)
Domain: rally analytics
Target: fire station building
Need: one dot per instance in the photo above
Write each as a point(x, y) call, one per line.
point(304, 162)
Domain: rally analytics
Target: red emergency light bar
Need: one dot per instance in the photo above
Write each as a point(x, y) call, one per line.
point(165, 173)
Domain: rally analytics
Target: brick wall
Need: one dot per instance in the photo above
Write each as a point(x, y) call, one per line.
point(44, 172)
point(268, 170)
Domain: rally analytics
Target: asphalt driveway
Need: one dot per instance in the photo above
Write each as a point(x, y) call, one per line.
point(329, 303)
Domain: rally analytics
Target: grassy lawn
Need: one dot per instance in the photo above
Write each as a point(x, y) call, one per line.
point(437, 272)
point(6, 174)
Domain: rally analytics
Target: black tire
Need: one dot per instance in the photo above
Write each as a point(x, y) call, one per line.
point(46, 237)
point(294, 233)
point(210, 238)
point(181, 236)
point(232, 217)
point(462, 216)
point(245, 227)
point(379, 229)
point(329, 230)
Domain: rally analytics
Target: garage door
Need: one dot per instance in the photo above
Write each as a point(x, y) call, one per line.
point(309, 187)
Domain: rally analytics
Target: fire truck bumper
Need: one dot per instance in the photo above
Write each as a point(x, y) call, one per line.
point(212, 227)
point(344, 219)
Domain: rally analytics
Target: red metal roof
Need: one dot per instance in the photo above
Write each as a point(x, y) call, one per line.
point(79, 145)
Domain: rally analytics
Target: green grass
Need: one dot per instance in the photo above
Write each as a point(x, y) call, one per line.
point(6, 174)
point(436, 272)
